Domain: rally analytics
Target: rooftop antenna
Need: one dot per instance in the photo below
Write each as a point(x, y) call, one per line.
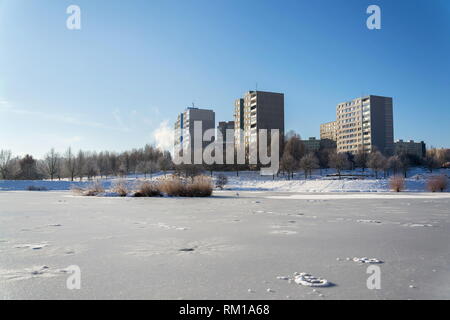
point(256, 86)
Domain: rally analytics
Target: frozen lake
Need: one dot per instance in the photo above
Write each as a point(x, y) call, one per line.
point(230, 246)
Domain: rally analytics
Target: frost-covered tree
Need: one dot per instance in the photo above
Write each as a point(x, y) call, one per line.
point(376, 162)
point(339, 161)
point(51, 163)
point(309, 163)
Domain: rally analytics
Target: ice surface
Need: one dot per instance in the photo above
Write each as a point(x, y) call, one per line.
point(132, 248)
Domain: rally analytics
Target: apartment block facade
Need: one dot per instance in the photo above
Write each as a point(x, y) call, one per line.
point(239, 122)
point(365, 124)
point(328, 131)
point(184, 129)
point(258, 110)
point(222, 128)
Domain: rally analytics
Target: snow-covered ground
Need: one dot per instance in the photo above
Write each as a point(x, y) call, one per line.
point(234, 245)
point(253, 181)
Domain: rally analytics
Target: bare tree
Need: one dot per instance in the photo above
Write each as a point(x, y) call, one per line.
point(5, 164)
point(104, 164)
point(51, 163)
point(361, 160)
point(294, 146)
point(406, 163)
point(288, 164)
point(308, 163)
point(394, 164)
point(70, 164)
point(147, 167)
point(339, 161)
point(91, 166)
point(165, 162)
point(80, 165)
point(376, 162)
point(431, 162)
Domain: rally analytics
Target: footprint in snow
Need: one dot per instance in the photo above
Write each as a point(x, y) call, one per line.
point(368, 221)
point(367, 260)
point(308, 280)
point(285, 232)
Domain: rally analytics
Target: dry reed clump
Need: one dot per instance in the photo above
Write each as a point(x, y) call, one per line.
point(148, 189)
point(199, 186)
point(173, 186)
point(397, 183)
point(94, 189)
point(120, 187)
point(437, 183)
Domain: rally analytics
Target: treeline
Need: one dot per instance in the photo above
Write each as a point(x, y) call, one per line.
point(148, 160)
point(84, 164)
point(295, 157)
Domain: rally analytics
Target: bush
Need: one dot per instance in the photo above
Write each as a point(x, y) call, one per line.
point(437, 183)
point(120, 187)
point(221, 181)
point(35, 188)
point(397, 183)
point(148, 189)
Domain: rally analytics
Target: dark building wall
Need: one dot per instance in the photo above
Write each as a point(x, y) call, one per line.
point(382, 124)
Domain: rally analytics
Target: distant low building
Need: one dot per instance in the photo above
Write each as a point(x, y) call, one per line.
point(410, 147)
point(312, 144)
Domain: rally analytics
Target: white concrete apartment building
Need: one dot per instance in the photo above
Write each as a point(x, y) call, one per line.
point(184, 129)
point(365, 124)
point(328, 131)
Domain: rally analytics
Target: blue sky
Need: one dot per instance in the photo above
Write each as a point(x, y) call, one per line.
point(121, 80)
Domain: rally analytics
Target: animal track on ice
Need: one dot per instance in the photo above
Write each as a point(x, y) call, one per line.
point(179, 247)
point(417, 225)
point(36, 246)
point(305, 279)
point(368, 221)
point(29, 273)
point(286, 232)
point(160, 225)
point(168, 227)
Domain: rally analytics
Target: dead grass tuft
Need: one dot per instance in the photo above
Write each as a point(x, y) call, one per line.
point(120, 187)
point(148, 189)
point(437, 183)
point(397, 183)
